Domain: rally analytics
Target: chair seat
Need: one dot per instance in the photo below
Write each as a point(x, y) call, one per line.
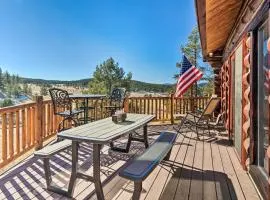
point(68, 113)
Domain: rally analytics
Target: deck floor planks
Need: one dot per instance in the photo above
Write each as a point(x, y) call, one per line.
point(246, 184)
point(183, 187)
point(171, 184)
point(209, 187)
point(222, 189)
point(196, 186)
point(165, 172)
point(229, 179)
point(234, 186)
point(112, 188)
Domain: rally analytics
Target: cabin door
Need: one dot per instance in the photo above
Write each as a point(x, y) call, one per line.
point(237, 103)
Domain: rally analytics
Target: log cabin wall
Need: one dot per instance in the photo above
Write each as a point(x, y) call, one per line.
point(225, 97)
point(245, 161)
point(240, 22)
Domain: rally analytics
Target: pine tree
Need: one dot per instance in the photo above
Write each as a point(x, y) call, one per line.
point(109, 75)
point(7, 79)
point(2, 86)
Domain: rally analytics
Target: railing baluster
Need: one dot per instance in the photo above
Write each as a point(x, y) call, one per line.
point(44, 121)
point(33, 138)
point(156, 107)
point(17, 132)
point(28, 130)
point(23, 129)
point(163, 111)
point(50, 121)
point(4, 137)
point(148, 105)
point(136, 106)
point(152, 106)
point(141, 106)
point(10, 134)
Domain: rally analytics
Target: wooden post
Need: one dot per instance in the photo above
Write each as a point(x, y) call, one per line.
point(126, 105)
point(38, 122)
point(191, 99)
point(172, 108)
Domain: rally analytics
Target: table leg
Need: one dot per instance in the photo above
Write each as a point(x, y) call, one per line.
point(145, 136)
point(96, 171)
point(74, 168)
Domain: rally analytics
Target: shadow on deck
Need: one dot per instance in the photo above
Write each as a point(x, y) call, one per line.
point(207, 168)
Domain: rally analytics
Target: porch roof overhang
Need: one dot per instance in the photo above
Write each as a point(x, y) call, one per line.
point(216, 20)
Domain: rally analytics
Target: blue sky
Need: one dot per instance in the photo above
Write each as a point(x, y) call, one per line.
point(66, 39)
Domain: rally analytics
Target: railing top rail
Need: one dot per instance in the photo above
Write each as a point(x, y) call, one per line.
point(33, 103)
point(17, 107)
point(165, 97)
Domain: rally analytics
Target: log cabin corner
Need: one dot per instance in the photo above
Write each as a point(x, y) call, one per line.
point(235, 41)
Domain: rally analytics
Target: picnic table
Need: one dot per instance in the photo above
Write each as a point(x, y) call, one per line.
point(86, 98)
point(98, 133)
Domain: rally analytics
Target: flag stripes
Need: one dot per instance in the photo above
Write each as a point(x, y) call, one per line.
point(189, 74)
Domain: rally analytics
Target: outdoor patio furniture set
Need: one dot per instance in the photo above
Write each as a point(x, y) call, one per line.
point(105, 131)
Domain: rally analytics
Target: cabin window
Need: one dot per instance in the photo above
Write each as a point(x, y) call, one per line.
point(263, 94)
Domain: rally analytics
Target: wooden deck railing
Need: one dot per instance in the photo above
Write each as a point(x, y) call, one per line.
point(164, 107)
point(27, 126)
point(24, 127)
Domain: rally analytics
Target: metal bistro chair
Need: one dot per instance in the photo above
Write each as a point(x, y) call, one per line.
point(116, 101)
point(62, 106)
point(200, 118)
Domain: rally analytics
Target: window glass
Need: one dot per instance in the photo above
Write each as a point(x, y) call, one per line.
point(263, 94)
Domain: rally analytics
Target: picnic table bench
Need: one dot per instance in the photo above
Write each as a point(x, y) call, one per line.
point(46, 153)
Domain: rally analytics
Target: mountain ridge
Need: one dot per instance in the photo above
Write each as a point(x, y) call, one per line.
point(135, 85)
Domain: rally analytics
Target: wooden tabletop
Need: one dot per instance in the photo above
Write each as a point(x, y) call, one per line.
point(105, 130)
point(86, 96)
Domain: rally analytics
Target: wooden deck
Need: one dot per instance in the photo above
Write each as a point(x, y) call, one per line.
point(198, 169)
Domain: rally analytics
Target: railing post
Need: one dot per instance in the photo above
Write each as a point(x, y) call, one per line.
point(39, 122)
point(192, 107)
point(126, 105)
point(172, 108)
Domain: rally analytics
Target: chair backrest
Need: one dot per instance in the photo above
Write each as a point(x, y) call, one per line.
point(117, 97)
point(211, 106)
point(60, 100)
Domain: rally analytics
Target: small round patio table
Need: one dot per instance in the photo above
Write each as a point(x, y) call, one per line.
point(86, 98)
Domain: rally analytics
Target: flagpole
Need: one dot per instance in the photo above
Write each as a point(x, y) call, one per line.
point(196, 86)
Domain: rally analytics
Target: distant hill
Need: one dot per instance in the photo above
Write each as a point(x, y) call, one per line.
point(135, 85)
point(81, 82)
point(151, 87)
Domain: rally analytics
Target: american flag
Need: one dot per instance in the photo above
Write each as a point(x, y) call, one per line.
point(189, 74)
